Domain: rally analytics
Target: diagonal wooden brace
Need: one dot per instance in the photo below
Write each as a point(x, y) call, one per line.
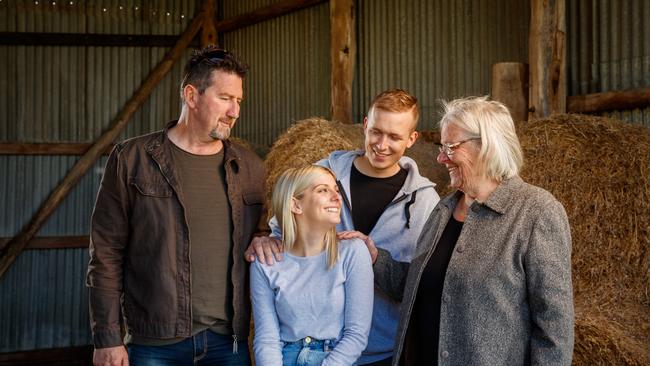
point(11, 251)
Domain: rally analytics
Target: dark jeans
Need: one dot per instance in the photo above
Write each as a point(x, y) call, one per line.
point(385, 362)
point(204, 349)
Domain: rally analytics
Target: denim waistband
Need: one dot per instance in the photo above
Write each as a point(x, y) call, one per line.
point(312, 343)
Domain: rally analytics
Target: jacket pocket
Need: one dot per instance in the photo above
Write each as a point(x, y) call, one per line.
point(152, 189)
point(253, 198)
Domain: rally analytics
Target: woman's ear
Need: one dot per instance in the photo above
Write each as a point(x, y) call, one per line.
point(295, 206)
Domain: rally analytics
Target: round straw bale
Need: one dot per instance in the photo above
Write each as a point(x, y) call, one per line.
point(599, 169)
point(601, 341)
point(306, 142)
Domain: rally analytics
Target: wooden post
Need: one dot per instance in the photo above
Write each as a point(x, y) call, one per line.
point(510, 87)
point(547, 58)
point(18, 243)
point(343, 50)
point(209, 29)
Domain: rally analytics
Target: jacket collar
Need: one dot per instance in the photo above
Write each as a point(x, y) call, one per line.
point(158, 147)
point(498, 201)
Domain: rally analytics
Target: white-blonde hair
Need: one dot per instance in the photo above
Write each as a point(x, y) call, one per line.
point(490, 121)
point(292, 184)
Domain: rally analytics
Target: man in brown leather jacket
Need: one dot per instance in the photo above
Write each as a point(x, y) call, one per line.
point(174, 214)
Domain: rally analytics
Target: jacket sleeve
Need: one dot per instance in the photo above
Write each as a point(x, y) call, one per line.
point(390, 275)
point(359, 297)
point(108, 239)
point(267, 345)
point(549, 287)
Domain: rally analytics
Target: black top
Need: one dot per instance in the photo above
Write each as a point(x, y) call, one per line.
point(425, 321)
point(370, 196)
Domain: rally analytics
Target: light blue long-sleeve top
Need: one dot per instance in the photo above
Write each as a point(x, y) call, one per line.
point(301, 297)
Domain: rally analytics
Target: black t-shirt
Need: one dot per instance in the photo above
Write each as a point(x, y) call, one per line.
point(370, 196)
point(425, 321)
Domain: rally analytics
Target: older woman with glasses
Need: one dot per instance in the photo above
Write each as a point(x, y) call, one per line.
point(490, 283)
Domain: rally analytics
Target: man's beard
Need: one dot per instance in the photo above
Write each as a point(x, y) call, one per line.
point(220, 133)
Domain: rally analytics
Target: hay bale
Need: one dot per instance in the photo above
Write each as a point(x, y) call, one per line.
point(601, 341)
point(306, 142)
point(599, 169)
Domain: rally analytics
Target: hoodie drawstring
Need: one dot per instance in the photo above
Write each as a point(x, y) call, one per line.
point(407, 211)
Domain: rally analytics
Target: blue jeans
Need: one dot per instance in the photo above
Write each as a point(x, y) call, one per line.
point(306, 352)
point(204, 349)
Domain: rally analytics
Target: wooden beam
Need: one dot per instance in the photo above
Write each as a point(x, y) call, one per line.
point(53, 242)
point(18, 243)
point(510, 87)
point(209, 29)
point(265, 13)
point(69, 356)
point(609, 101)
point(342, 54)
point(85, 40)
point(547, 58)
point(63, 148)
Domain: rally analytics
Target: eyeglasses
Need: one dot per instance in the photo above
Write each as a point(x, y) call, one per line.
point(449, 149)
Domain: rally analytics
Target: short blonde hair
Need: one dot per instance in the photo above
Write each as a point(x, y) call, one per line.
point(490, 121)
point(293, 183)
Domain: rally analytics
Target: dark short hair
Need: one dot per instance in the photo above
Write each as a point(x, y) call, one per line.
point(199, 68)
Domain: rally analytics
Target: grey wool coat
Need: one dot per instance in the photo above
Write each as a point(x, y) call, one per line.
point(507, 297)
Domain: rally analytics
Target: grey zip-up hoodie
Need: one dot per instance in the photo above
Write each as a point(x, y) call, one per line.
point(396, 231)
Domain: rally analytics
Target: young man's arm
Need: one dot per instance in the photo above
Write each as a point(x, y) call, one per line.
point(390, 275)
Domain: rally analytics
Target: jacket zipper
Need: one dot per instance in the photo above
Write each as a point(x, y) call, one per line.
point(235, 349)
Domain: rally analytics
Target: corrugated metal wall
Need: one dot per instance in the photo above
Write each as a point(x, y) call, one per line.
point(72, 93)
point(436, 49)
point(290, 69)
point(68, 94)
point(608, 49)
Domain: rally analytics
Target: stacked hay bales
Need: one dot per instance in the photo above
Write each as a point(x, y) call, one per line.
point(600, 170)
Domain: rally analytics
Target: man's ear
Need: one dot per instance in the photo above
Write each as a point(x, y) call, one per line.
point(365, 123)
point(190, 94)
point(295, 206)
point(412, 138)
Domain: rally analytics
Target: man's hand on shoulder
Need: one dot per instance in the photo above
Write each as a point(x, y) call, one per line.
point(370, 244)
point(265, 249)
point(111, 356)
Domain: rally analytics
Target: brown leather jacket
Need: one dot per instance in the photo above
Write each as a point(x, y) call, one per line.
point(139, 242)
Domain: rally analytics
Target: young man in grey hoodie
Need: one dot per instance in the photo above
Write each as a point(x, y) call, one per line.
point(386, 203)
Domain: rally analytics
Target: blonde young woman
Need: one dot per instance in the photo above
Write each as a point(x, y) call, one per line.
point(314, 307)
